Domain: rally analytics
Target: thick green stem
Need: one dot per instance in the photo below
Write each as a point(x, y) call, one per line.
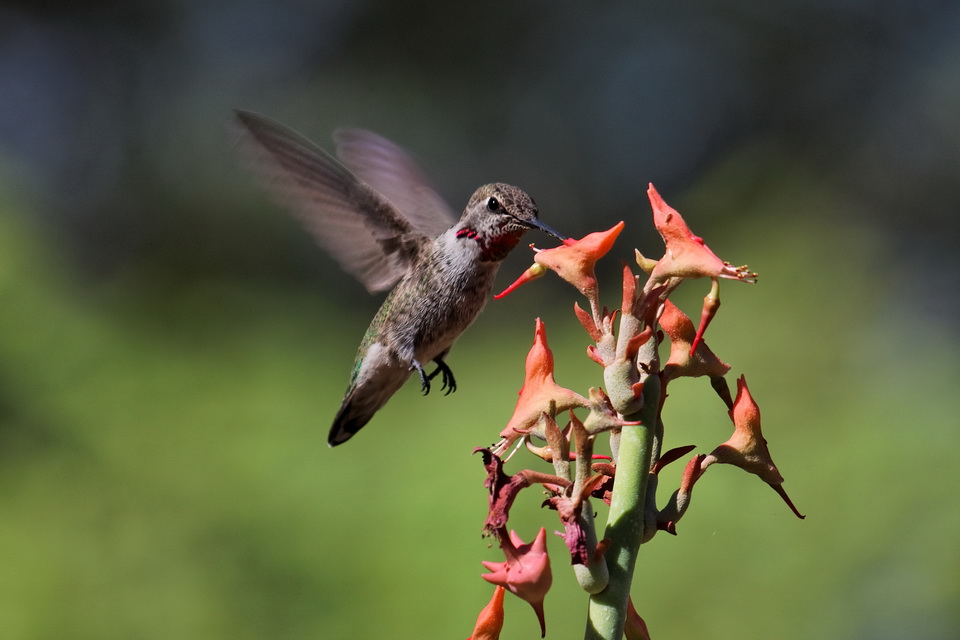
point(608, 609)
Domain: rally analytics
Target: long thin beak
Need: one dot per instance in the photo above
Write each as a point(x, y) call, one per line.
point(537, 224)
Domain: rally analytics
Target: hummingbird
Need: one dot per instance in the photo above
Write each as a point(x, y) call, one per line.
point(374, 211)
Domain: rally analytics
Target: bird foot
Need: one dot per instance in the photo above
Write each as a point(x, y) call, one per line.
point(447, 381)
point(424, 378)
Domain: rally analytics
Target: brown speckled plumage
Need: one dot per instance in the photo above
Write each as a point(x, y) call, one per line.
point(387, 227)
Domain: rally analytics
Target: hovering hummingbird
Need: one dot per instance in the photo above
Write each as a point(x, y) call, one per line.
point(374, 212)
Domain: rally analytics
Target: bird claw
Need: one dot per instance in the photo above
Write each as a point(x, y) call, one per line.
point(447, 381)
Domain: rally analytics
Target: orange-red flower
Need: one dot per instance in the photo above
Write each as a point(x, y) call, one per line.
point(686, 254)
point(540, 392)
point(747, 448)
point(701, 362)
point(490, 621)
point(526, 571)
point(532, 273)
point(573, 261)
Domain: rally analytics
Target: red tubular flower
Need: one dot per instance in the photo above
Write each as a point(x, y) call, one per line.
point(490, 621)
point(532, 273)
point(711, 303)
point(747, 448)
point(539, 393)
point(526, 571)
point(573, 261)
point(691, 474)
point(668, 516)
point(686, 255)
point(682, 362)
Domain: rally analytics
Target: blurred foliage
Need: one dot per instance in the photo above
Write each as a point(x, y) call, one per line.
point(172, 350)
point(164, 472)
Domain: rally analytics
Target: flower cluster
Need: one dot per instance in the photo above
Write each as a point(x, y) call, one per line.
point(629, 413)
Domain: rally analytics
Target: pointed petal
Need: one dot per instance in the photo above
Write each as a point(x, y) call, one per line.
point(538, 609)
point(540, 392)
point(574, 260)
point(526, 572)
point(747, 448)
point(686, 254)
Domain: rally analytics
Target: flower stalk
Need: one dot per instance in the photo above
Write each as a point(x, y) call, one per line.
point(628, 412)
point(607, 612)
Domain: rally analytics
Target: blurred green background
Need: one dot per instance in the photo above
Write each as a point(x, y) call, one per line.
point(173, 347)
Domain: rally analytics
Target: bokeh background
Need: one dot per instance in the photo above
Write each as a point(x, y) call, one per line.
point(173, 346)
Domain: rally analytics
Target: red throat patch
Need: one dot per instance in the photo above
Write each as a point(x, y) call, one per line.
point(492, 248)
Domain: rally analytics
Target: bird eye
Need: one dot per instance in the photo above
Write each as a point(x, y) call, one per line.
point(493, 204)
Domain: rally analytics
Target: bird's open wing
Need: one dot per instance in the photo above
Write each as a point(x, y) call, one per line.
point(390, 170)
point(365, 232)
